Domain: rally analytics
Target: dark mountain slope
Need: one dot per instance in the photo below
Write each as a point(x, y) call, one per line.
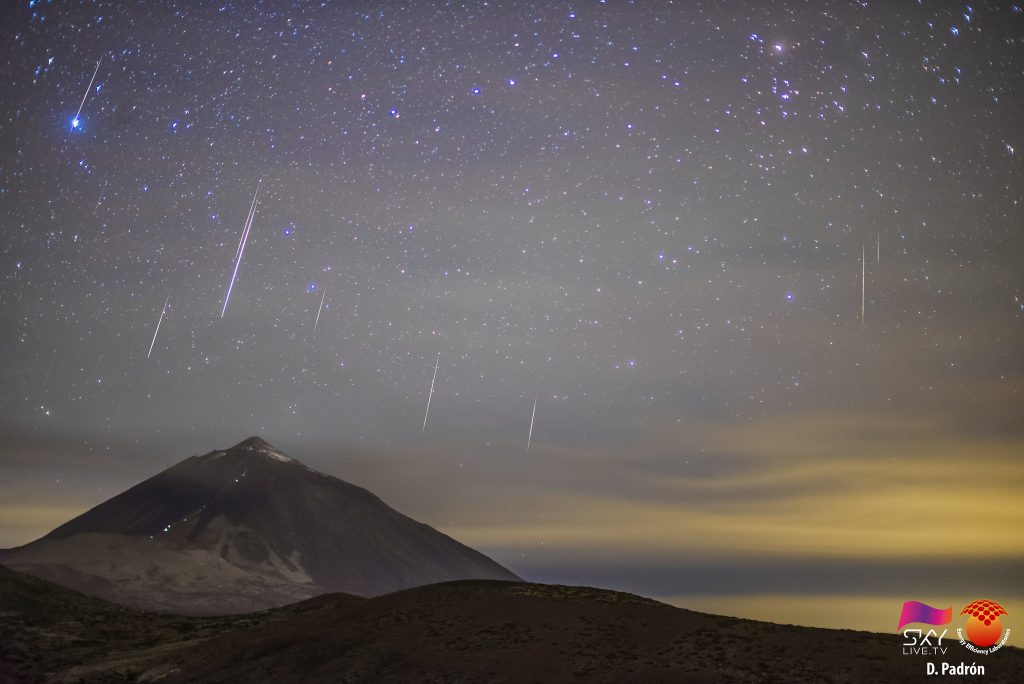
point(243, 529)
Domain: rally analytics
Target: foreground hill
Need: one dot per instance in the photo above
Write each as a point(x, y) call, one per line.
point(467, 631)
point(244, 529)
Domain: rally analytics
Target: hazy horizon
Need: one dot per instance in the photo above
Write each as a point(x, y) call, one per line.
point(760, 574)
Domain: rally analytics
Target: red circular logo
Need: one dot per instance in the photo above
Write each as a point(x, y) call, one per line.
point(983, 625)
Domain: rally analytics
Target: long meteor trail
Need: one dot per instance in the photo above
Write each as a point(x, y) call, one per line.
point(248, 221)
point(241, 247)
point(429, 396)
point(75, 121)
point(159, 321)
point(529, 438)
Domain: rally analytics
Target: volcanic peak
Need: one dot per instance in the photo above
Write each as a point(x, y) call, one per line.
point(261, 446)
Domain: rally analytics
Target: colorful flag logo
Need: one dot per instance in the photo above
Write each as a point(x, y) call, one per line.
point(915, 611)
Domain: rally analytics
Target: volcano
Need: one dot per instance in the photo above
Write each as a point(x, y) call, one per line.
point(244, 529)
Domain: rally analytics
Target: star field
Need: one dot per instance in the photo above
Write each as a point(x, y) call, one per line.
point(650, 216)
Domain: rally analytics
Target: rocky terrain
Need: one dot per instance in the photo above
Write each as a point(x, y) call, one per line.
point(465, 631)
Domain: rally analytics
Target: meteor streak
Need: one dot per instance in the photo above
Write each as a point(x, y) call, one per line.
point(529, 438)
point(99, 199)
point(429, 396)
point(48, 369)
point(319, 310)
point(248, 221)
point(863, 270)
point(159, 321)
point(76, 121)
point(241, 247)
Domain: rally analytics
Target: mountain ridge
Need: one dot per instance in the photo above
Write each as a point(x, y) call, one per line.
point(460, 631)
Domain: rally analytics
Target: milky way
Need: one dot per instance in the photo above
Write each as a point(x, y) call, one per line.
point(651, 216)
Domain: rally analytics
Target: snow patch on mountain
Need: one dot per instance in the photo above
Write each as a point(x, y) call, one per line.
point(260, 447)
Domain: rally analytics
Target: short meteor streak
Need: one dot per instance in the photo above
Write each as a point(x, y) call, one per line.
point(99, 199)
point(529, 438)
point(158, 322)
point(429, 396)
point(317, 322)
point(241, 248)
point(76, 121)
point(48, 370)
point(863, 270)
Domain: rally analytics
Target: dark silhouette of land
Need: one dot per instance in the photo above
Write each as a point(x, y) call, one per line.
point(465, 631)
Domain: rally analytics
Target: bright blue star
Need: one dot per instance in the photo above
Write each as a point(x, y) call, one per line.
point(75, 122)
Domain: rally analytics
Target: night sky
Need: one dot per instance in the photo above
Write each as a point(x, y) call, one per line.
point(650, 217)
